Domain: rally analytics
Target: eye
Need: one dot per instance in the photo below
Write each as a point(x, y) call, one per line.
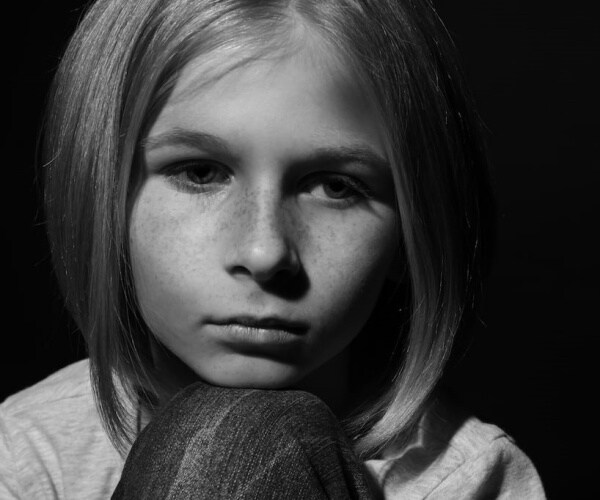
point(197, 175)
point(338, 187)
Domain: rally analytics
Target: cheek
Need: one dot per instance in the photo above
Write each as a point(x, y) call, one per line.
point(164, 252)
point(153, 244)
point(351, 262)
point(360, 249)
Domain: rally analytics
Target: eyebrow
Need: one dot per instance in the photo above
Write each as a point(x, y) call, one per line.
point(343, 155)
point(184, 137)
point(334, 155)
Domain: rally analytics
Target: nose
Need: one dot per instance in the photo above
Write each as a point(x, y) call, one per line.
point(264, 245)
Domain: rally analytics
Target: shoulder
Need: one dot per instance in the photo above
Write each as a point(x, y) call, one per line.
point(72, 381)
point(52, 442)
point(455, 455)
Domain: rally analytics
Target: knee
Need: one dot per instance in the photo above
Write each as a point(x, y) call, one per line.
point(260, 406)
point(273, 404)
point(284, 418)
point(201, 406)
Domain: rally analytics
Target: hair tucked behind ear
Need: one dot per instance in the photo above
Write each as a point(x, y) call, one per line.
point(116, 74)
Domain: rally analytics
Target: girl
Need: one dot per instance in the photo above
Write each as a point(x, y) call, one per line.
point(269, 220)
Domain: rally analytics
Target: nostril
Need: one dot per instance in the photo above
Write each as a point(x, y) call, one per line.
point(286, 284)
point(266, 264)
point(264, 260)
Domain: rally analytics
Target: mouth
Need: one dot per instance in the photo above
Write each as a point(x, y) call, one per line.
point(265, 323)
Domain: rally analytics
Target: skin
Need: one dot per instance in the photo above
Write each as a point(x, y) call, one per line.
point(266, 193)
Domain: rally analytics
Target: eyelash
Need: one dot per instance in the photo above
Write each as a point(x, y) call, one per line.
point(358, 190)
point(179, 175)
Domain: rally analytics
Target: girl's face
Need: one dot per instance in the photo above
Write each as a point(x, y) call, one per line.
point(265, 225)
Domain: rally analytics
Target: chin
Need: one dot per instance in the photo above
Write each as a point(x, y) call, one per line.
point(251, 373)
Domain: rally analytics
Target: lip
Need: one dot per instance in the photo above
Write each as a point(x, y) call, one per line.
point(266, 323)
point(251, 335)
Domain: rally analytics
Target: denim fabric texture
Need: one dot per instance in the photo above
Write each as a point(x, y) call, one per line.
point(221, 443)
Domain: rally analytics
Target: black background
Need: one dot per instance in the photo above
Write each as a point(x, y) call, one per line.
point(533, 69)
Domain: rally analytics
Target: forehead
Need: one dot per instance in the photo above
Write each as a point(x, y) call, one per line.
point(284, 88)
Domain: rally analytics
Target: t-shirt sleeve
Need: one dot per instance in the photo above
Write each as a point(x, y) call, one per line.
point(501, 471)
point(8, 475)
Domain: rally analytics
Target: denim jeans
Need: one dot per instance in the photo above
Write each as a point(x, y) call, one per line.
point(221, 443)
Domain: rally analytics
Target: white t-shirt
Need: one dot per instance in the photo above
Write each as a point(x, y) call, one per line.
point(53, 446)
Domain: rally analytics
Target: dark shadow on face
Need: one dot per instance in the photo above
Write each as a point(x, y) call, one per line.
point(287, 286)
point(377, 350)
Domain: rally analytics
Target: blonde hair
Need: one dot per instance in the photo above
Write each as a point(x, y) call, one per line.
point(115, 76)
